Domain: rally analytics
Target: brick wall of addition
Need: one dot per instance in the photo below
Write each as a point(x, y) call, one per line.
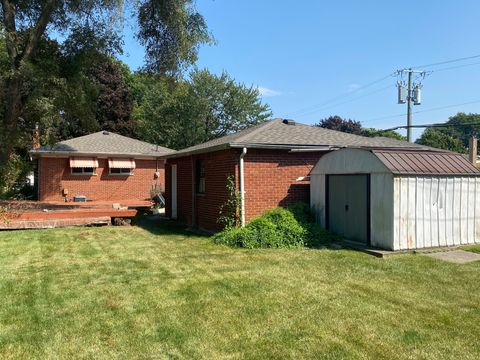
point(218, 166)
point(270, 181)
point(55, 175)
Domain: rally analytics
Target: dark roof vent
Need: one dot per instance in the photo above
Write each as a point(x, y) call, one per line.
point(288, 122)
point(106, 132)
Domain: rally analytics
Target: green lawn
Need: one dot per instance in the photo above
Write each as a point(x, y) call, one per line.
point(160, 293)
point(472, 248)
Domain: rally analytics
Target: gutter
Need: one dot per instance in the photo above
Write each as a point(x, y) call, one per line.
point(242, 187)
point(291, 147)
point(64, 154)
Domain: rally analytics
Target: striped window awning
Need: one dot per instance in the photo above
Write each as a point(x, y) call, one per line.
point(121, 163)
point(83, 162)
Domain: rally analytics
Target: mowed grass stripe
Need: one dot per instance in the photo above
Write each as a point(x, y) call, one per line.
point(160, 292)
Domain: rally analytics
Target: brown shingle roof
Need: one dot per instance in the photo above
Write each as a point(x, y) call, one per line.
point(104, 142)
point(277, 134)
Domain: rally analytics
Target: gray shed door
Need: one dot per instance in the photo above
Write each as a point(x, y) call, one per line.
point(348, 206)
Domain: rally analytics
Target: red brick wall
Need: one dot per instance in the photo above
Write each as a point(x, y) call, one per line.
point(218, 166)
point(270, 179)
point(55, 175)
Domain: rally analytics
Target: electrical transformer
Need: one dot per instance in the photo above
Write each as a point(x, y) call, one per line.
point(402, 93)
point(417, 95)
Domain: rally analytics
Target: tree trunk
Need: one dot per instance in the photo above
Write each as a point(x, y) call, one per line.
point(12, 107)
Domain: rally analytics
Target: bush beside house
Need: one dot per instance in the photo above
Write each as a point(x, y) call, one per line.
point(291, 227)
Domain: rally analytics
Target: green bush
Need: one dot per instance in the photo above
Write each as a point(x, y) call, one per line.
point(316, 236)
point(291, 227)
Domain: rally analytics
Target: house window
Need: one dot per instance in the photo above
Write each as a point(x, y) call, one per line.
point(119, 166)
point(83, 166)
point(83, 171)
point(121, 171)
point(200, 176)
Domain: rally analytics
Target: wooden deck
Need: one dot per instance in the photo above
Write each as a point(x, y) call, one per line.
point(54, 223)
point(38, 215)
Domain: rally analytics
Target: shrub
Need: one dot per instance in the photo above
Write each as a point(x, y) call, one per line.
point(231, 212)
point(278, 228)
point(291, 227)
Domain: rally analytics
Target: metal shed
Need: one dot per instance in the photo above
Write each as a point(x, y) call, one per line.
point(398, 199)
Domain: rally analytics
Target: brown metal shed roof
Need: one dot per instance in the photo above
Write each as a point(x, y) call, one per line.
point(426, 162)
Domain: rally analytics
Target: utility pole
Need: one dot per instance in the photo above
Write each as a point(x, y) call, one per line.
point(409, 95)
point(409, 106)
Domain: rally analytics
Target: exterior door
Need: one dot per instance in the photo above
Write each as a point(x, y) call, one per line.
point(348, 207)
point(174, 191)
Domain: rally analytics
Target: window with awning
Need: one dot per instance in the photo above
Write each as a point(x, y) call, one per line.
point(83, 166)
point(118, 166)
point(76, 162)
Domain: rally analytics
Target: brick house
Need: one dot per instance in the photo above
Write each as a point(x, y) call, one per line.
point(270, 163)
point(102, 166)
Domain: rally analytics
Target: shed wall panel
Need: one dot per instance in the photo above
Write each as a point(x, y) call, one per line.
point(449, 210)
point(419, 211)
point(471, 210)
point(381, 215)
point(457, 206)
point(317, 198)
point(435, 211)
point(433, 219)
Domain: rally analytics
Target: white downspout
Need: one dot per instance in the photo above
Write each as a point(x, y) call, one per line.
point(242, 188)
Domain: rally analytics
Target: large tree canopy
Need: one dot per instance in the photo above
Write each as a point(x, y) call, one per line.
point(350, 126)
point(337, 123)
point(438, 139)
point(455, 136)
point(202, 108)
point(56, 67)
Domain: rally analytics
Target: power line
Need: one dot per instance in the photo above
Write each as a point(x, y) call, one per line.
point(339, 97)
point(430, 126)
point(331, 102)
point(344, 102)
point(454, 67)
point(426, 110)
point(448, 61)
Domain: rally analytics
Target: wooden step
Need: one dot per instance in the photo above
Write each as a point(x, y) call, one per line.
point(18, 224)
point(76, 213)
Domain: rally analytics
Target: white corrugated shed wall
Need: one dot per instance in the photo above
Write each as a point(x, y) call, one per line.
point(434, 211)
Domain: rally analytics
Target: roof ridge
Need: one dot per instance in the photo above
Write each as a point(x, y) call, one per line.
point(114, 134)
point(78, 137)
point(259, 127)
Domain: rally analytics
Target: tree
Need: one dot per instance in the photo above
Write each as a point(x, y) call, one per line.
point(170, 30)
point(355, 127)
point(465, 126)
point(158, 109)
point(454, 137)
point(204, 107)
point(371, 132)
point(339, 124)
point(114, 104)
point(438, 139)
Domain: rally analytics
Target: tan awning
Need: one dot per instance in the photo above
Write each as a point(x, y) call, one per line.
point(83, 163)
point(121, 163)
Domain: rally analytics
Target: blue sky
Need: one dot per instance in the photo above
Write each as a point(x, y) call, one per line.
point(304, 53)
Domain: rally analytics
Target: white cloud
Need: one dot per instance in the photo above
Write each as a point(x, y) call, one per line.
point(353, 87)
point(266, 92)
